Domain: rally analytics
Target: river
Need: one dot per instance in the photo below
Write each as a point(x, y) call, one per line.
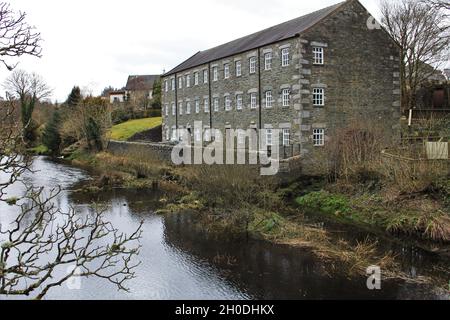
point(180, 262)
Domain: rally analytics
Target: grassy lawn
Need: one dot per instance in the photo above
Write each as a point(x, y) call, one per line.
point(126, 130)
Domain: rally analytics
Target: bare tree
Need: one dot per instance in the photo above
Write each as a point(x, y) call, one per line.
point(423, 33)
point(89, 122)
point(12, 162)
point(17, 38)
point(438, 4)
point(45, 247)
point(42, 247)
point(28, 88)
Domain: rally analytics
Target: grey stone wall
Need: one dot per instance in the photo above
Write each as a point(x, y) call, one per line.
point(360, 76)
point(159, 150)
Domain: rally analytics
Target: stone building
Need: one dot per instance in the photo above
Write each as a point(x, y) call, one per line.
point(307, 77)
point(139, 89)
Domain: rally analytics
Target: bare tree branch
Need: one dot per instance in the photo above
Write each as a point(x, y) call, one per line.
point(12, 162)
point(423, 33)
point(28, 88)
point(43, 247)
point(17, 38)
point(438, 4)
point(43, 240)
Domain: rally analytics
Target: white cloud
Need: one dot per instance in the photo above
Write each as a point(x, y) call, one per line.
point(98, 43)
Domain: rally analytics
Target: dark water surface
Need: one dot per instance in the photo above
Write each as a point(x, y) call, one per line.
point(180, 262)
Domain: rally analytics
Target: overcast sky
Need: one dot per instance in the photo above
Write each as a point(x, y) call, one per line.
point(97, 43)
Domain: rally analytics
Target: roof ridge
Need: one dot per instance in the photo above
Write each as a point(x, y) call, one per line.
point(278, 25)
point(304, 18)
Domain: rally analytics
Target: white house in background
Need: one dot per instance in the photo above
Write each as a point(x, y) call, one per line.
point(117, 96)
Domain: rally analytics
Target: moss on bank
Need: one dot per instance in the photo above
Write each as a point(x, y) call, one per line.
point(421, 217)
point(39, 150)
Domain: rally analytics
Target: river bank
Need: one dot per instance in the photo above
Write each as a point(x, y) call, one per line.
point(304, 214)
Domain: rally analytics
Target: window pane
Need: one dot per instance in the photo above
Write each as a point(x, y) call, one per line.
point(285, 57)
point(238, 69)
point(268, 61)
point(319, 137)
point(268, 99)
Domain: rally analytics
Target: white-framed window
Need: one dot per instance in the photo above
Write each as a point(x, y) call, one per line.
point(167, 134)
point(167, 111)
point(166, 86)
point(227, 103)
point(268, 61)
point(174, 109)
point(269, 137)
point(205, 76)
point(188, 81)
point(286, 97)
point(198, 135)
point(173, 84)
point(206, 105)
point(285, 60)
point(207, 134)
point(318, 97)
point(253, 101)
point(252, 65)
point(180, 107)
point(180, 83)
point(226, 71)
point(319, 137)
point(174, 135)
point(318, 55)
point(269, 99)
point(216, 104)
point(215, 74)
point(286, 137)
point(188, 108)
point(197, 106)
point(196, 79)
point(238, 68)
point(239, 102)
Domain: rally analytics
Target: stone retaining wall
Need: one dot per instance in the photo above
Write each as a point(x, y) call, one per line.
point(120, 148)
point(289, 168)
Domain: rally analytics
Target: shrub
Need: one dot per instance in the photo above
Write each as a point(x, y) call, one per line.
point(324, 202)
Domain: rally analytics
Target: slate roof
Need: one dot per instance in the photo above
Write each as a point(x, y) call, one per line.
point(271, 35)
point(141, 83)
